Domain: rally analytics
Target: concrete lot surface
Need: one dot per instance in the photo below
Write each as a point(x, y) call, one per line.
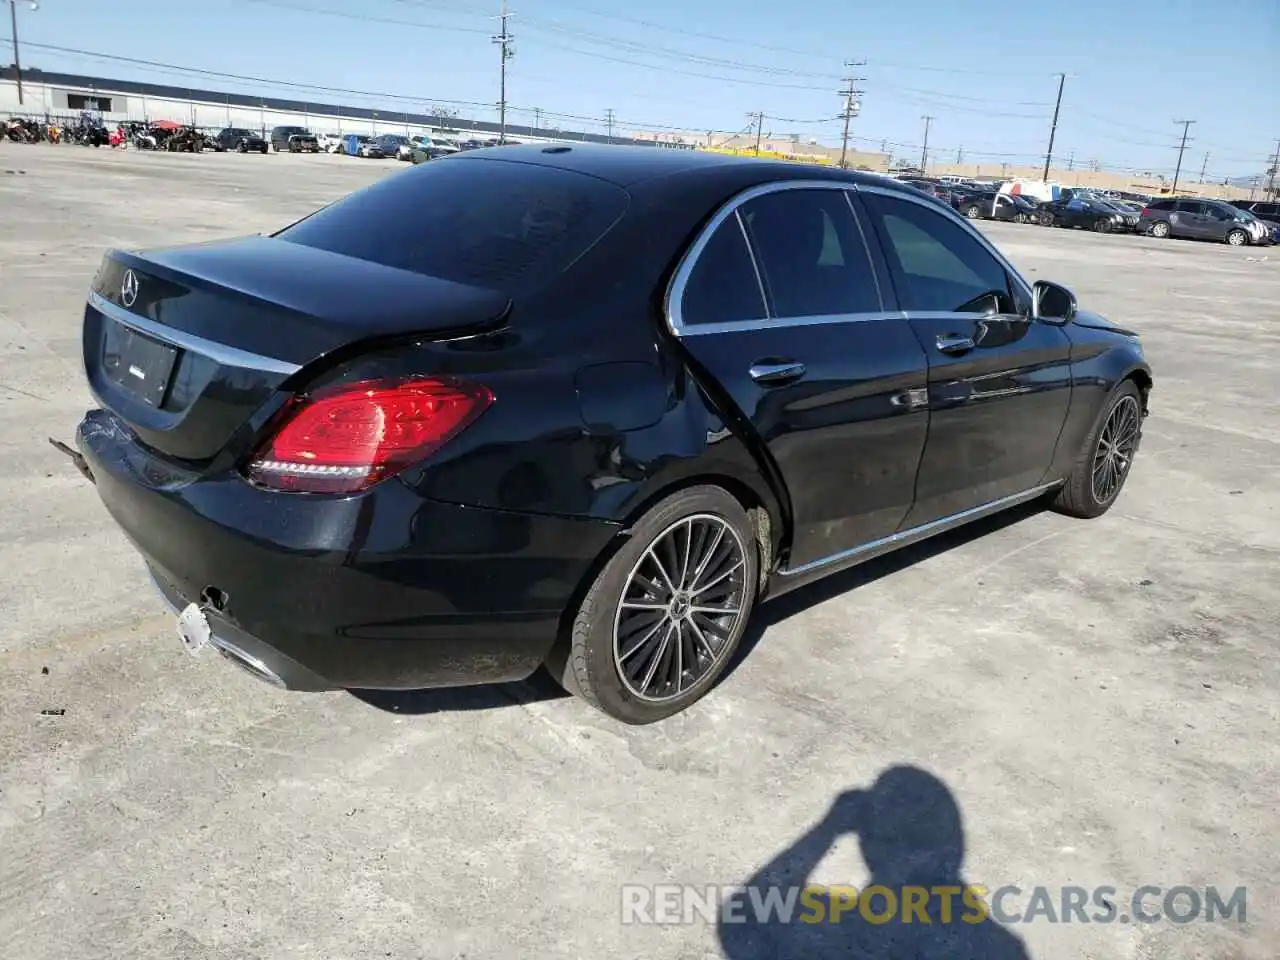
point(1097, 700)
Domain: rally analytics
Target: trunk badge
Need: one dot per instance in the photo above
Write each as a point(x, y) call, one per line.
point(129, 288)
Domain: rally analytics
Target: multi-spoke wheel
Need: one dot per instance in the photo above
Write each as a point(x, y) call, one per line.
point(1104, 462)
point(680, 608)
point(1116, 444)
point(663, 617)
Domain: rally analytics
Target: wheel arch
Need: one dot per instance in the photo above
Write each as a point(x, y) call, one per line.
point(1141, 376)
point(769, 523)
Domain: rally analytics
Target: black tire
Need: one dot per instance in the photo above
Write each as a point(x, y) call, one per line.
point(587, 663)
point(1101, 226)
point(242, 147)
point(1079, 496)
point(264, 148)
point(1238, 238)
point(973, 211)
point(1160, 229)
point(1046, 219)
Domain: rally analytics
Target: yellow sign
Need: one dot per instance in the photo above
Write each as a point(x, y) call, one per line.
point(771, 155)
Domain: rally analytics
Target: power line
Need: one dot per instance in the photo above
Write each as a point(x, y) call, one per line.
point(656, 50)
point(304, 8)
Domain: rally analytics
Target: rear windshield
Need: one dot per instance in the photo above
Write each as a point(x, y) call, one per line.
point(489, 223)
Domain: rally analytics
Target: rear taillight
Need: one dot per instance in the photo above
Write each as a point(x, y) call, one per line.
point(346, 438)
point(1144, 211)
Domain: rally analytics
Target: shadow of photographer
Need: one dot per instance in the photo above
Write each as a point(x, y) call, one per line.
point(912, 839)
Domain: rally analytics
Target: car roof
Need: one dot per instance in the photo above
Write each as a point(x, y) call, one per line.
point(629, 165)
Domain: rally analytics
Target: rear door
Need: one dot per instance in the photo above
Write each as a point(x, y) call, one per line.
point(1188, 219)
point(999, 382)
point(780, 310)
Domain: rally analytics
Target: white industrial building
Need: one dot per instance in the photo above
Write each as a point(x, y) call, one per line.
point(64, 96)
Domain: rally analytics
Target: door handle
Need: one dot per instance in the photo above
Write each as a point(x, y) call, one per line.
point(772, 373)
point(955, 343)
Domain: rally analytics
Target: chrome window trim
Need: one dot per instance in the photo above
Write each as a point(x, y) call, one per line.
point(961, 221)
point(218, 352)
point(728, 326)
point(673, 301)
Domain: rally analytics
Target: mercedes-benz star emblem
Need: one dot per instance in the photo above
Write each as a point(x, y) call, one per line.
point(129, 288)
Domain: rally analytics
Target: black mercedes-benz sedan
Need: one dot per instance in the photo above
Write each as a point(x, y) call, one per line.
point(581, 407)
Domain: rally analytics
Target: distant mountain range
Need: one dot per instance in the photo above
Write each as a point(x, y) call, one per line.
point(1258, 180)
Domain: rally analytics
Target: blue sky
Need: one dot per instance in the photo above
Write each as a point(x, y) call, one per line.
point(986, 74)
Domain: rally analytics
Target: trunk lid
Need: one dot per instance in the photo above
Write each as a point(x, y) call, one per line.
point(190, 345)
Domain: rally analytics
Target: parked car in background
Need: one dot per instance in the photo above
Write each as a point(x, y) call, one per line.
point(394, 446)
point(430, 147)
point(930, 188)
point(389, 144)
point(988, 205)
point(330, 142)
point(1202, 219)
point(294, 140)
point(1267, 210)
point(240, 140)
point(360, 145)
point(1078, 208)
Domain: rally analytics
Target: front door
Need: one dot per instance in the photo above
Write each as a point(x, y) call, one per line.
point(999, 382)
point(780, 305)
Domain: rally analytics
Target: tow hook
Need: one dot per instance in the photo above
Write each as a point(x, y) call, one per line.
point(76, 457)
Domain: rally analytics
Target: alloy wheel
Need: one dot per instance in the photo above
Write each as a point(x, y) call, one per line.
point(683, 604)
point(1236, 238)
point(1160, 230)
point(1116, 446)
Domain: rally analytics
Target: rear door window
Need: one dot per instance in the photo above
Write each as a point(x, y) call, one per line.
point(812, 257)
point(490, 223)
point(722, 287)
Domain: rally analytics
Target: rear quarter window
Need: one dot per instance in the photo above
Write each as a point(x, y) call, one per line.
point(490, 223)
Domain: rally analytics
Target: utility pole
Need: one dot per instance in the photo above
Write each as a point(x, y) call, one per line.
point(924, 152)
point(960, 155)
point(1271, 174)
point(17, 60)
point(1186, 126)
point(1053, 127)
point(505, 52)
point(608, 121)
point(757, 121)
point(537, 118)
point(851, 108)
point(1071, 161)
point(1204, 166)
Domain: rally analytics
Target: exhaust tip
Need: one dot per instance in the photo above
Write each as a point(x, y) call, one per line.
point(248, 663)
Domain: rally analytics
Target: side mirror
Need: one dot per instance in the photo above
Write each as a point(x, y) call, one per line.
point(1052, 302)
